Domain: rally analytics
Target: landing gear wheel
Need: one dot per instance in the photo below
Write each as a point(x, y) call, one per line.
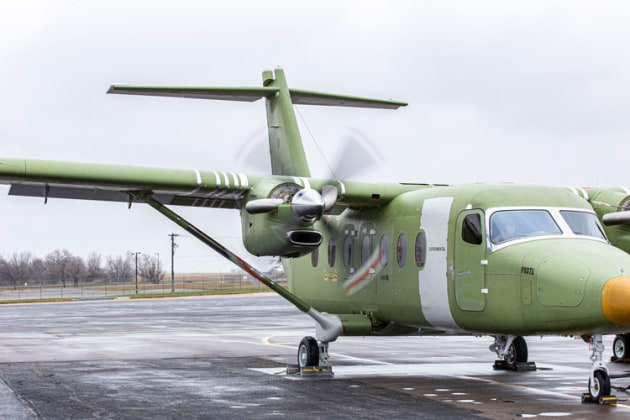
point(620, 347)
point(308, 352)
point(600, 387)
point(516, 353)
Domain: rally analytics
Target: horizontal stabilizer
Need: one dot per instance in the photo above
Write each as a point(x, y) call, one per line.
point(304, 97)
point(244, 94)
point(251, 94)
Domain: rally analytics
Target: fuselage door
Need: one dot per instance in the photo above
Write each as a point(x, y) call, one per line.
point(470, 261)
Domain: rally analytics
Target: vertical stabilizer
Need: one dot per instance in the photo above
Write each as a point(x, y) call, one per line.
point(285, 143)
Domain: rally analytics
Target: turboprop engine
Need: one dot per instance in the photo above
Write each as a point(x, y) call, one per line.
point(282, 223)
point(612, 206)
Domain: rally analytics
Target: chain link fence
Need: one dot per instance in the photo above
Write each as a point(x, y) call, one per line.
point(224, 283)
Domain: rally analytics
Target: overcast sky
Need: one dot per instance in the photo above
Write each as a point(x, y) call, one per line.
point(530, 92)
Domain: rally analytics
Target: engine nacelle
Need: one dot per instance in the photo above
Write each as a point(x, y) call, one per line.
point(278, 218)
point(611, 206)
point(278, 234)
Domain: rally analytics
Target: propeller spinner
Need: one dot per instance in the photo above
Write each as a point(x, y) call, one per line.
point(307, 205)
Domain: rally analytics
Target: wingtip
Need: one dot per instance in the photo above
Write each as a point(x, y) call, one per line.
point(115, 88)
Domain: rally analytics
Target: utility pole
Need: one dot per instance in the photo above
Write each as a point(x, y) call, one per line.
point(173, 246)
point(137, 253)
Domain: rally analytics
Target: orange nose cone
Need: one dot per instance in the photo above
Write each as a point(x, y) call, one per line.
point(616, 300)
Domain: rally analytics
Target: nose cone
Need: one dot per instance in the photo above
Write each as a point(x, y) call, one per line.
point(616, 300)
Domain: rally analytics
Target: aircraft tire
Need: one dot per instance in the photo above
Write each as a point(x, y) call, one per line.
point(517, 352)
point(620, 347)
point(308, 352)
point(600, 387)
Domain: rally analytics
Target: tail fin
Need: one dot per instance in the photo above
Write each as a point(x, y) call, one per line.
point(285, 143)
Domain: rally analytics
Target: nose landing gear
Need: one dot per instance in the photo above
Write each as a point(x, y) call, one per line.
point(599, 380)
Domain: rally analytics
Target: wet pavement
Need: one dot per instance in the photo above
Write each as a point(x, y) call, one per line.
point(225, 357)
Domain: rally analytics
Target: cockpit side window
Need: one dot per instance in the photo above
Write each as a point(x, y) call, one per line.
point(507, 225)
point(583, 223)
point(471, 229)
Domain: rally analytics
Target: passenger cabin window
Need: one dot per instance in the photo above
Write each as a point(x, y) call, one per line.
point(508, 225)
point(366, 250)
point(347, 251)
point(332, 252)
point(421, 249)
point(384, 250)
point(471, 229)
point(315, 257)
point(583, 223)
point(401, 250)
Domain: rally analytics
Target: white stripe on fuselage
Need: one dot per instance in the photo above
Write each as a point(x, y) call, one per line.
point(433, 279)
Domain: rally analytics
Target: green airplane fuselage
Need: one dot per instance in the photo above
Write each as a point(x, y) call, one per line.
point(415, 262)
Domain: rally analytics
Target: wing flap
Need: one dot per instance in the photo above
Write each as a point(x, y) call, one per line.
point(44, 190)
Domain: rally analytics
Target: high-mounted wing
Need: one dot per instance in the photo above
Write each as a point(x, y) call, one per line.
point(88, 181)
point(182, 187)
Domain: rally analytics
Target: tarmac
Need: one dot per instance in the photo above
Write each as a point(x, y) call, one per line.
point(226, 357)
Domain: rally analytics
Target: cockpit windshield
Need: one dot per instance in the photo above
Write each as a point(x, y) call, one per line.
point(582, 223)
point(507, 225)
point(511, 224)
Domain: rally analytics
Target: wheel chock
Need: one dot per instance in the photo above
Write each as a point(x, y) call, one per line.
point(525, 366)
point(607, 400)
point(500, 365)
point(293, 369)
point(310, 371)
point(519, 367)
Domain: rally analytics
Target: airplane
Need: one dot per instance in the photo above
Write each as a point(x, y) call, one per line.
point(376, 259)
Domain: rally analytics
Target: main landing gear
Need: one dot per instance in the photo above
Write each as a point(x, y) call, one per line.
point(621, 348)
point(512, 353)
point(310, 355)
point(329, 326)
point(308, 352)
